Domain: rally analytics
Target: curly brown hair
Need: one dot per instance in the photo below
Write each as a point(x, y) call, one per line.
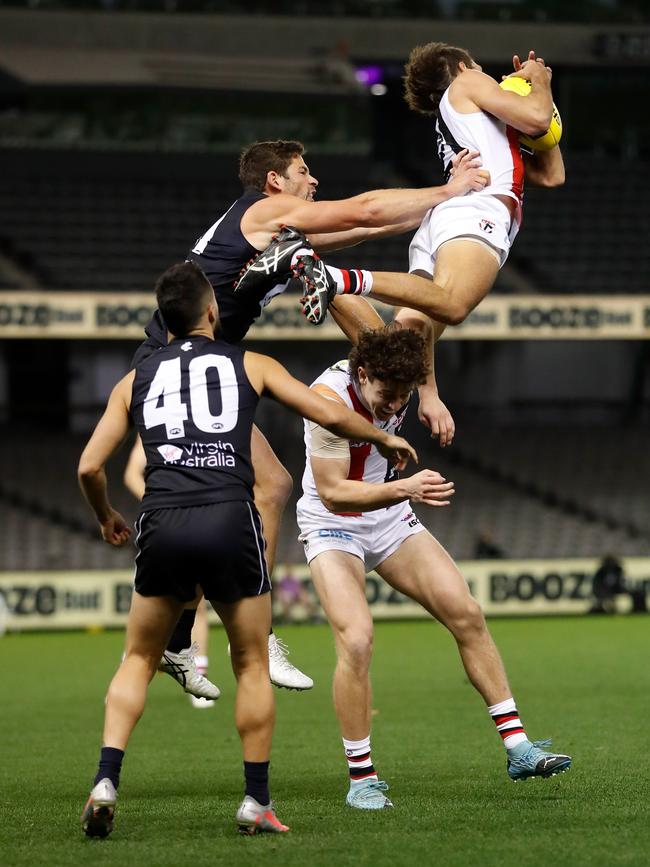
point(262, 157)
point(392, 354)
point(428, 73)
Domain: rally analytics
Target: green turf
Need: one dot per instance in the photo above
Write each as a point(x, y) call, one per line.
point(585, 682)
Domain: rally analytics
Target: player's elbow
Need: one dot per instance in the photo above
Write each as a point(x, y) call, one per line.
point(88, 469)
point(537, 123)
point(371, 212)
point(554, 178)
point(329, 499)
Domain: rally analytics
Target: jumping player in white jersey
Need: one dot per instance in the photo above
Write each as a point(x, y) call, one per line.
point(354, 516)
point(462, 243)
point(193, 403)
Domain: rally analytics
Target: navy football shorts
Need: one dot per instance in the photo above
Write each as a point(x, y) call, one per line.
point(219, 547)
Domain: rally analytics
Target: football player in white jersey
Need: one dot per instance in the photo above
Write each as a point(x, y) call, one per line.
point(462, 242)
point(355, 516)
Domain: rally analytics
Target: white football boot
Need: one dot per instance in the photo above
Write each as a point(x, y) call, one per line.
point(282, 672)
point(182, 667)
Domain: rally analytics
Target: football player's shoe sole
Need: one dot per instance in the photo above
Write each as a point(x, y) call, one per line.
point(318, 288)
point(271, 266)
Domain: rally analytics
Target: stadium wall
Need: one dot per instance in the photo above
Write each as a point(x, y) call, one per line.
point(98, 599)
point(102, 315)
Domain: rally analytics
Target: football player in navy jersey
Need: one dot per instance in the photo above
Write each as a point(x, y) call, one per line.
point(193, 403)
point(279, 191)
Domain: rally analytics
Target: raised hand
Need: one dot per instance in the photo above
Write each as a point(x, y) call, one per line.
point(434, 415)
point(518, 66)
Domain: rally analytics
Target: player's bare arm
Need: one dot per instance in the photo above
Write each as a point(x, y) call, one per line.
point(134, 472)
point(329, 241)
point(354, 314)
point(107, 437)
point(544, 168)
point(467, 175)
point(373, 209)
point(432, 412)
point(268, 375)
point(473, 90)
point(340, 494)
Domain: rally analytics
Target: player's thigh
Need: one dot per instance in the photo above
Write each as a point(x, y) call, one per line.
point(424, 571)
point(247, 623)
point(466, 267)
point(339, 579)
point(271, 477)
point(151, 621)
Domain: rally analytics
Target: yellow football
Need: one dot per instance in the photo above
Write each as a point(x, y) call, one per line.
point(553, 134)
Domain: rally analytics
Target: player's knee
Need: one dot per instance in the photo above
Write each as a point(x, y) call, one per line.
point(355, 645)
point(467, 619)
point(457, 312)
point(249, 660)
point(143, 659)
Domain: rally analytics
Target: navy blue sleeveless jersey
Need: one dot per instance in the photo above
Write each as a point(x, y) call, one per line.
point(193, 406)
point(221, 253)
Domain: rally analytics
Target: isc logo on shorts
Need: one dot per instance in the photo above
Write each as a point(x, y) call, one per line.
point(487, 226)
point(412, 519)
point(336, 534)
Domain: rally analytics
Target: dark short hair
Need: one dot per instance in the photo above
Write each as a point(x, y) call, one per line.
point(428, 73)
point(392, 354)
point(262, 157)
point(181, 295)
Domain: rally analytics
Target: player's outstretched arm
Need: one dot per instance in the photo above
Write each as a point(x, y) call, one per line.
point(468, 175)
point(110, 432)
point(374, 209)
point(268, 375)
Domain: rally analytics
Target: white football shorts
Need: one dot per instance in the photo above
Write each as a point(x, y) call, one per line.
point(371, 537)
point(476, 217)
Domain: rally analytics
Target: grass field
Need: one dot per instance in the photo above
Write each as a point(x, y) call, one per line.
point(585, 682)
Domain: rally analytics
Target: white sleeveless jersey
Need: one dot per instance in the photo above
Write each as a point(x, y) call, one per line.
point(366, 463)
point(497, 143)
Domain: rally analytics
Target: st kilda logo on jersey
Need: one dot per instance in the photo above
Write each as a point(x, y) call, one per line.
point(486, 226)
